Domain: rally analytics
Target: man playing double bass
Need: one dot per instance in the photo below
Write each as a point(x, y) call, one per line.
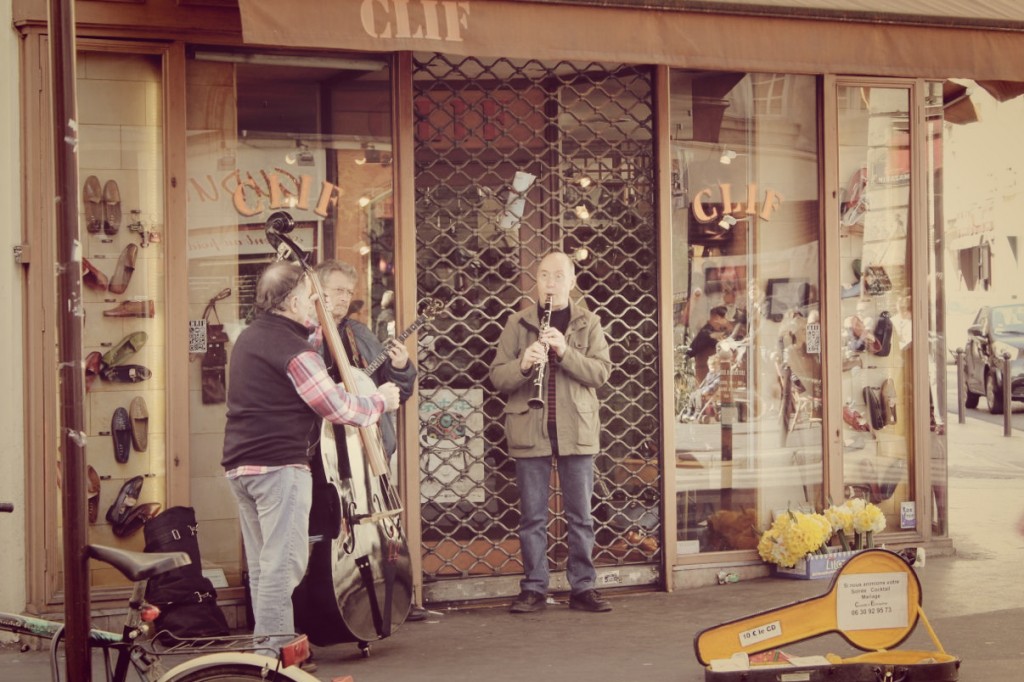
point(279, 391)
point(338, 281)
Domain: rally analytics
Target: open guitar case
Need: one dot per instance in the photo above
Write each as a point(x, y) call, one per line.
point(873, 602)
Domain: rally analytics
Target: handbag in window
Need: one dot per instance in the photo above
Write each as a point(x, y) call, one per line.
point(214, 364)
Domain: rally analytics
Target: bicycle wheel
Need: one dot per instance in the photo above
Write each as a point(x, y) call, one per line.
point(234, 667)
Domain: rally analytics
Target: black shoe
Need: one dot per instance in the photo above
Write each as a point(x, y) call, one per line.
point(589, 600)
point(529, 602)
point(417, 613)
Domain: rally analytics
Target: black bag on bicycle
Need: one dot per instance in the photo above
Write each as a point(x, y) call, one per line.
point(187, 600)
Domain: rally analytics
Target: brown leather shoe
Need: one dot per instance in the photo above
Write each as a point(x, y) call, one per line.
point(111, 207)
point(132, 309)
point(123, 272)
point(91, 198)
point(135, 519)
point(92, 277)
point(93, 497)
point(93, 367)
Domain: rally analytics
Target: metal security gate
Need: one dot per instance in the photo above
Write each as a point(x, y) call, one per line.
point(512, 159)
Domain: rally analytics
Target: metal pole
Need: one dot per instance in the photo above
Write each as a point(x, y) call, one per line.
point(1007, 400)
point(69, 326)
point(961, 413)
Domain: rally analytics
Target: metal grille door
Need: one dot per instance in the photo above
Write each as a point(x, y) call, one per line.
point(513, 159)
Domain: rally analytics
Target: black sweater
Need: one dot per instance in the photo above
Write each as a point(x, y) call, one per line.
point(268, 423)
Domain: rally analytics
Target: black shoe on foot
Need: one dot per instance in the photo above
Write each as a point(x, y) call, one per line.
point(589, 600)
point(529, 602)
point(417, 613)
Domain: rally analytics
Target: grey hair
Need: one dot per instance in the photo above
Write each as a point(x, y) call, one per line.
point(329, 267)
point(276, 283)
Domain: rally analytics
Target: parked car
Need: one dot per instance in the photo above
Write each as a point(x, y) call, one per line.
point(996, 330)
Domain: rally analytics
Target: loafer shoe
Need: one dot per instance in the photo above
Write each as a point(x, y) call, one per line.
point(111, 207)
point(92, 198)
point(127, 497)
point(135, 519)
point(854, 419)
point(529, 601)
point(589, 600)
point(93, 497)
point(92, 277)
point(144, 308)
point(138, 414)
point(125, 348)
point(123, 272)
point(93, 367)
point(121, 432)
point(128, 374)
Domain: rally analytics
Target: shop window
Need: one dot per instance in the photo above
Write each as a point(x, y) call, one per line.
point(121, 169)
point(746, 287)
point(309, 136)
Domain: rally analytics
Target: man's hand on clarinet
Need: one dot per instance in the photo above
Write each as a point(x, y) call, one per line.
point(535, 354)
point(391, 396)
point(555, 340)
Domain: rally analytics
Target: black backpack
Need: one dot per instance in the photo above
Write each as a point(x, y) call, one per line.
point(187, 600)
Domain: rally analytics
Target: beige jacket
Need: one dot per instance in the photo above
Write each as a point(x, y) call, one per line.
point(585, 366)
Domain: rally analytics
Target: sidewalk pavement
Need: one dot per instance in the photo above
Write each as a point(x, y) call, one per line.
point(974, 600)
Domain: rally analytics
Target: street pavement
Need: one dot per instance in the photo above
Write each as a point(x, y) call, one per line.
point(973, 599)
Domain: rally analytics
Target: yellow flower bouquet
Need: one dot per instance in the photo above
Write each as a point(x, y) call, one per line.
point(792, 536)
point(857, 518)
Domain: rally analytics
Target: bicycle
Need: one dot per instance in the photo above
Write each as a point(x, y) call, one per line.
point(232, 658)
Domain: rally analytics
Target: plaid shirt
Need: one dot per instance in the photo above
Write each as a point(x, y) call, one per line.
point(329, 400)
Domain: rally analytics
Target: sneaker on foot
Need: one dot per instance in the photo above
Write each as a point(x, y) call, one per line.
point(589, 600)
point(529, 602)
point(308, 665)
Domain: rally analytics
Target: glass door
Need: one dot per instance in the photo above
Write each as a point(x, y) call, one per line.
point(876, 298)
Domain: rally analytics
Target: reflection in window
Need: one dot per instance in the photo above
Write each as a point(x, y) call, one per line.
point(746, 293)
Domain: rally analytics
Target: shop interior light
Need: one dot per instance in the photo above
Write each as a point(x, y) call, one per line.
point(582, 212)
point(302, 156)
point(585, 181)
point(727, 222)
point(727, 156)
point(364, 201)
point(263, 59)
point(581, 254)
point(370, 155)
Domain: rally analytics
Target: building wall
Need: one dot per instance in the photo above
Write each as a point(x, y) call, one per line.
point(984, 202)
point(12, 462)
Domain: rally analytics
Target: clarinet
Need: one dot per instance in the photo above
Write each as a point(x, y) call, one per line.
point(536, 401)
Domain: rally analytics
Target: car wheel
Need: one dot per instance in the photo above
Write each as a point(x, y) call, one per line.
point(994, 395)
point(972, 399)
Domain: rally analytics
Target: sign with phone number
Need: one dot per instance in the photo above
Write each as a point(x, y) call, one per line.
point(872, 601)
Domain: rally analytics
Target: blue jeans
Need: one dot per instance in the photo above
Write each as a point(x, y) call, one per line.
point(576, 479)
point(273, 510)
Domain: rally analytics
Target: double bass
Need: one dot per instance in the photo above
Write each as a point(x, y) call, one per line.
point(358, 584)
